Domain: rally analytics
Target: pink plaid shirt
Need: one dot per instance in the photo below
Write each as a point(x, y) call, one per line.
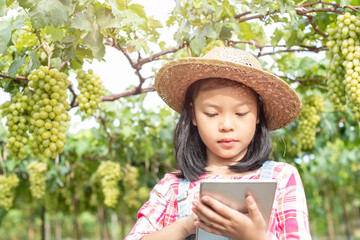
point(288, 220)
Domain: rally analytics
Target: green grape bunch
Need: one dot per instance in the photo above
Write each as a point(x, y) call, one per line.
point(90, 86)
point(131, 184)
point(37, 179)
point(7, 190)
point(308, 121)
point(344, 69)
point(49, 118)
point(16, 112)
point(109, 175)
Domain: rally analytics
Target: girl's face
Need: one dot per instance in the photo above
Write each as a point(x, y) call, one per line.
point(226, 119)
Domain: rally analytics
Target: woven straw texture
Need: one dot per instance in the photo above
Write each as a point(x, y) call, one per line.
point(281, 104)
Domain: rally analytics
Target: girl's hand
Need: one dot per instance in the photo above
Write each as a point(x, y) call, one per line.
point(215, 217)
point(188, 224)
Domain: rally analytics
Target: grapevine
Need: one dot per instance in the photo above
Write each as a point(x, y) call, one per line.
point(91, 89)
point(37, 178)
point(344, 80)
point(7, 190)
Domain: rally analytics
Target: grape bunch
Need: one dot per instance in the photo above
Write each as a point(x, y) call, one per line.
point(90, 86)
point(81, 174)
point(131, 183)
point(16, 112)
point(109, 175)
point(48, 107)
point(7, 190)
point(37, 179)
point(344, 70)
point(308, 120)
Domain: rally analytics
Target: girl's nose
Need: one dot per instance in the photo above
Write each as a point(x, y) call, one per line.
point(226, 125)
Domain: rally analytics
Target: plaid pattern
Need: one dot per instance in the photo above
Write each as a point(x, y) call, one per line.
point(288, 220)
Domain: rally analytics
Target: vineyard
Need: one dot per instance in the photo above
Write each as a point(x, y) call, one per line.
point(89, 184)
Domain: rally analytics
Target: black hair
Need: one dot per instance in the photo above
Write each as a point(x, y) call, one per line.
point(190, 150)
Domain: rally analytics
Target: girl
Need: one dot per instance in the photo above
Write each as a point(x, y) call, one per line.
point(228, 104)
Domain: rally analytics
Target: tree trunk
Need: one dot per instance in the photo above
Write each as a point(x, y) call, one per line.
point(122, 222)
point(76, 223)
point(114, 226)
point(43, 237)
point(47, 227)
point(329, 215)
point(346, 215)
point(104, 228)
point(57, 227)
point(31, 225)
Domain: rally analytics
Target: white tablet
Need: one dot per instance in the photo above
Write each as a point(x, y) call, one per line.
point(233, 193)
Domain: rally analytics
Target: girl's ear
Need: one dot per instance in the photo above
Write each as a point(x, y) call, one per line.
point(193, 119)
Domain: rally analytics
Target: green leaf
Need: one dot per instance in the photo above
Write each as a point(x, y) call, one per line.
point(138, 9)
point(129, 18)
point(105, 19)
point(209, 31)
point(198, 43)
point(34, 60)
point(56, 33)
point(115, 7)
point(5, 34)
point(343, 3)
point(15, 66)
point(276, 37)
point(94, 41)
point(50, 11)
point(27, 3)
point(81, 21)
point(226, 32)
point(3, 8)
point(246, 31)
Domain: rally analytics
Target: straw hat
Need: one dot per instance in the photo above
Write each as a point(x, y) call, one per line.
point(280, 102)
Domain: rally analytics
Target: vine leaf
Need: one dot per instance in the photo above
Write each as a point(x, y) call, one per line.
point(15, 66)
point(94, 40)
point(46, 12)
point(6, 28)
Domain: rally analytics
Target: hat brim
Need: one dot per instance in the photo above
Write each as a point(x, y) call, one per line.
point(281, 104)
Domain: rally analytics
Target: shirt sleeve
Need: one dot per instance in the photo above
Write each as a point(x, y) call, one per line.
point(292, 214)
point(154, 212)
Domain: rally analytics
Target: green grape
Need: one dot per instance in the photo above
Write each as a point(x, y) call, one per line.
point(37, 178)
point(308, 120)
point(7, 190)
point(91, 89)
point(131, 183)
point(17, 113)
point(49, 117)
point(109, 175)
point(343, 75)
point(81, 174)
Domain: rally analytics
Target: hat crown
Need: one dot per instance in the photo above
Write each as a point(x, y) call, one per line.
point(233, 55)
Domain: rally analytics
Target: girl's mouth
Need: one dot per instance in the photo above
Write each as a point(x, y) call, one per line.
point(227, 142)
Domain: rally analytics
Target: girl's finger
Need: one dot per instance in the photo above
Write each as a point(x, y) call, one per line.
point(208, 216)
point(254, 212)
point(224, 210)
point(207, 227)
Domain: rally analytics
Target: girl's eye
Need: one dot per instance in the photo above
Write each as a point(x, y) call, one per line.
point(241, 114)
point(210, 114)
